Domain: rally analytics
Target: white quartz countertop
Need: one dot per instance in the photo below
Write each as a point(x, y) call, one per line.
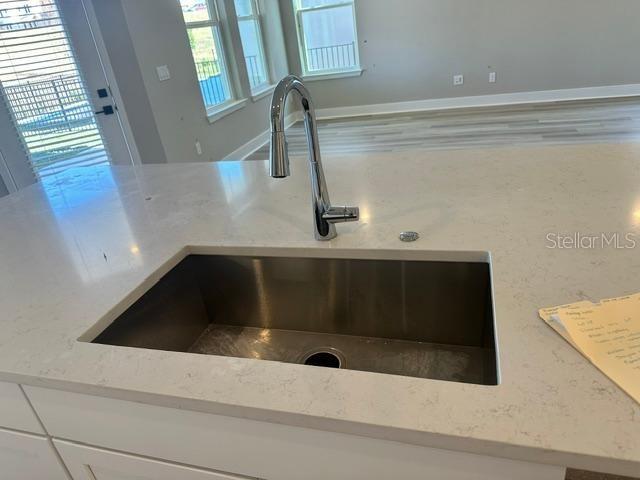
point(72, 253)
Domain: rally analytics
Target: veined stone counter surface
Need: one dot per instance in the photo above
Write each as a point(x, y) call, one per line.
point(72, 253)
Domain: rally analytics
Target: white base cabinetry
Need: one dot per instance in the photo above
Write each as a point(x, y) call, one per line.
point(57, 435)
point(89, 463)
point(15, 411)
point(28, 457)
point(168, 443)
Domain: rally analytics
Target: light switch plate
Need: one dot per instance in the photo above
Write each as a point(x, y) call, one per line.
point(163, 73)
point(458, 80)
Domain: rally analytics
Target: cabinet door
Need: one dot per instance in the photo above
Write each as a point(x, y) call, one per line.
point(16, 413)
point(28, 457)
point(89, 463)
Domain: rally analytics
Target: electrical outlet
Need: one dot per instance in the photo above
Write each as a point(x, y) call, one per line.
point(198, 148)
point(458, 80)
point(163, 73)
point(492, 77)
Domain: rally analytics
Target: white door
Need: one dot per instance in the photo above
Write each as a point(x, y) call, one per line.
point(28, 457)
point(91, 55)
point(55, 88)
point(89, 463)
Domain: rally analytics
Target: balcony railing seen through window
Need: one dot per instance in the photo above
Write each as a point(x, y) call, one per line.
point(332, 57)
point(212, 84)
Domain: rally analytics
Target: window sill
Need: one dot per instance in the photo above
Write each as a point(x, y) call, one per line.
point(311, 77)
point(214, 115)
point(262, 92)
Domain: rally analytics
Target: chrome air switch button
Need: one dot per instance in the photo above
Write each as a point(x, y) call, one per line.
point(409, 236)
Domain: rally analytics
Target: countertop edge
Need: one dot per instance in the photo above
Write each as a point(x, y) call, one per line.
point(379, 432)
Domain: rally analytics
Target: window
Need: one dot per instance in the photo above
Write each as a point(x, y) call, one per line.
point(203, 27)
point(327, 36)
point(252, 46)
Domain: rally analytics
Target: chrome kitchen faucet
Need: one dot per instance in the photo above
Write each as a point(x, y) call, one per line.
point(325, 216)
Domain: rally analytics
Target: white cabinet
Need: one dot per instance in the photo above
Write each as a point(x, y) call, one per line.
point(16, 412)
point(28, 457)
point(88, 463)
point(245, 447)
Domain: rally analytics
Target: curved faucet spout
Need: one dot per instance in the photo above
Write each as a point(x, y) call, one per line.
point(279, 153)
point(325, 215)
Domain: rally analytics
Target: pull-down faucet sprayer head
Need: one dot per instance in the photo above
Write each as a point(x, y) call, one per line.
point(279, 155)
point(278, 152)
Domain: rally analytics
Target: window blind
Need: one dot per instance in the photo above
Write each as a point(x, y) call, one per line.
point(44, 89)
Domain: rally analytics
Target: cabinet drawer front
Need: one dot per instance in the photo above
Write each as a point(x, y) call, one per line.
point(28, 457)
point(16, 413)
point(259, 449)
point(88, 463)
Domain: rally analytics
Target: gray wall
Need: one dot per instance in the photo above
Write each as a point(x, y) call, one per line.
point(157, 36)
point(119, 45)
point(3, 188)
point(410, 49)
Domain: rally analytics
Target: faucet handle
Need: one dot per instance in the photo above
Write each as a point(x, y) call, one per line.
point(341, 214)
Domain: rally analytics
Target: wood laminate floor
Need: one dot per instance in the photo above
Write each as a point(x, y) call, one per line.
point(558, 123)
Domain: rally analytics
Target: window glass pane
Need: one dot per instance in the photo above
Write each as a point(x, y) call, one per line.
point(319, 3)
point(244, 8)
point(251, 45)
point(329, 37)
point(195, 10)
point(209, 62)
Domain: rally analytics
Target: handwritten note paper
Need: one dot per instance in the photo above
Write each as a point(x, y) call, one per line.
point(607, 333)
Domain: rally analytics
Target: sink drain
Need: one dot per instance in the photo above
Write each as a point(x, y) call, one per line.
point(327, 357)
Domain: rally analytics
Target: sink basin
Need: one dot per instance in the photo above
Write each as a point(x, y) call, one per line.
point(428, 319)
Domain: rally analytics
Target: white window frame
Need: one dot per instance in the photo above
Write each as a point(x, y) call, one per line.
point(216, 26)
point(257, 18)
point(302, 49)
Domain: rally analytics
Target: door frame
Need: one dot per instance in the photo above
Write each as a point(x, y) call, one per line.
point(5, 175)
point(103, 58)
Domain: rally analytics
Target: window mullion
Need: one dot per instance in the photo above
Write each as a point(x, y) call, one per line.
point(222, 56)
point(203, 23)
point(265, 63)
point(252, 40)
point(302, 42)
point(213, 11)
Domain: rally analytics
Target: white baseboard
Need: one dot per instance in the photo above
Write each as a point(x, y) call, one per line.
point(255, 143)
point(482, 101)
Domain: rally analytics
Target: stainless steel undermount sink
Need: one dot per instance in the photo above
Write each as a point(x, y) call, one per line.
point(428, 319)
